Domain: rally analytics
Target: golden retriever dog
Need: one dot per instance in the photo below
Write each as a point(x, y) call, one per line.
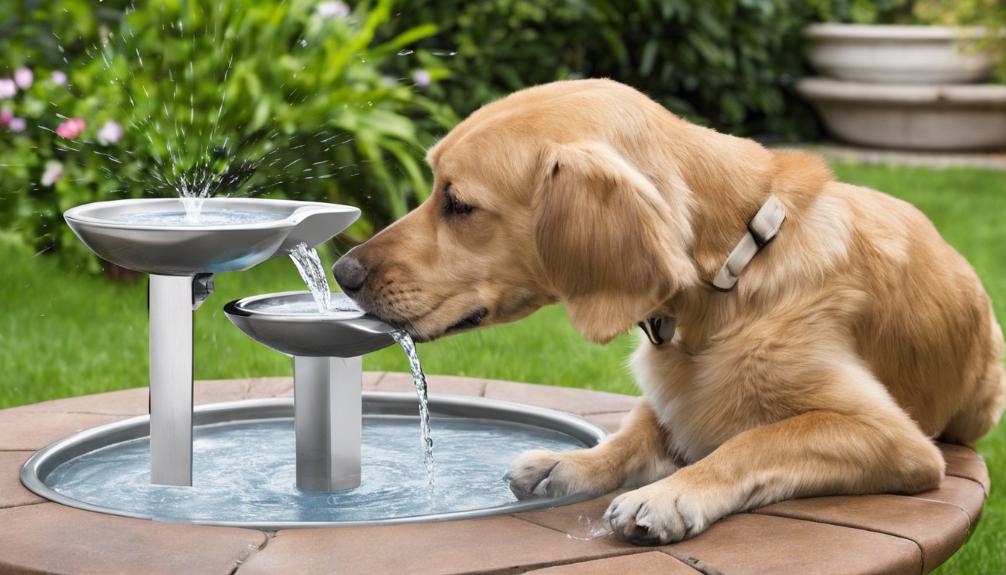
point(850, 341)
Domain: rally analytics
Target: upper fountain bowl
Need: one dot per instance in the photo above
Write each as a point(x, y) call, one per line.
point(233, 234)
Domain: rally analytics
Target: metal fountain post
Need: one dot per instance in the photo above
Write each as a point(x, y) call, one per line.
point(328, 421)
point(172, 301)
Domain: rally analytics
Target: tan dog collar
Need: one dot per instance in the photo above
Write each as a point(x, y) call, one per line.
point(762, 228)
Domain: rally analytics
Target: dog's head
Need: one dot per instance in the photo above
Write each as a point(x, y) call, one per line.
point(534, 201)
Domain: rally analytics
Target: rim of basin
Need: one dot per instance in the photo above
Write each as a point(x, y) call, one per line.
point(947, 94)
point(240, 307)
point(892, 32)
point(298, 212)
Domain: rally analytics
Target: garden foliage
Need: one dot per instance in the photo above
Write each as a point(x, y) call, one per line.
point(322, 100)
point(291, 99)
point(729, 64)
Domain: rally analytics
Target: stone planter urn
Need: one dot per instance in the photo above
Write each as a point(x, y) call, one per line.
point(905, 87)
point(897, 54)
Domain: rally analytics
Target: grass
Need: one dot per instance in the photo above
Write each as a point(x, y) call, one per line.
point(67, 333)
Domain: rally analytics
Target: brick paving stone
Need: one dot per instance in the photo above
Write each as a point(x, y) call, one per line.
point(219, 390)
point(51, 538)
point(965, 462)
point(266, 387)
point(580, 520)
point(650, 563)
point(579, 401)
point(436, 384)
point(754, 544)
point(12, 493)
point(938, 528)
point(966, 494)
point(491, 544)
point(22, 430)
point(125, 402)
point(609, 422)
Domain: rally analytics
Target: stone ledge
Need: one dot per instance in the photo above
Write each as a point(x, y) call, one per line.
point(867, 534)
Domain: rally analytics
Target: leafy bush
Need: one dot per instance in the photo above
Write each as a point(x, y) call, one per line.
point(284, 98)
point(725, 63)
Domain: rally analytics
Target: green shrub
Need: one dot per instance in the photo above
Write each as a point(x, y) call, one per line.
point(725, 63)
point(211, 93)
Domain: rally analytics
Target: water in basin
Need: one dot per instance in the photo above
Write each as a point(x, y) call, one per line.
point(228, 217)
point(245, 471)
point(340, 307)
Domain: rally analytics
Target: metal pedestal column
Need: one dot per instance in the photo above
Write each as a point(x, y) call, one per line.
point(328, 407)
point(170, 309)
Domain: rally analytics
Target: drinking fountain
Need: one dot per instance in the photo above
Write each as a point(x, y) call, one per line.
point(180, 255)
point(327, 376)
point(280, 462)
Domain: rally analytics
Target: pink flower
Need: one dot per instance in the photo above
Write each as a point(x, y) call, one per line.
point(333, 9)
point(110, 133)
point(7, 88)
point(58, 77)
point(71, 128)
point(17, 125)
point(421, 78)
point(6, 115)
point(53, 173)
point(24, 78)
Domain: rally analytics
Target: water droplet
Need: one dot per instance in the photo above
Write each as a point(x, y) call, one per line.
point(406, 52)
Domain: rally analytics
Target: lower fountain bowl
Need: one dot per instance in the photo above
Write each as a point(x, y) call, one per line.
point(244, 465)
point(279, 321)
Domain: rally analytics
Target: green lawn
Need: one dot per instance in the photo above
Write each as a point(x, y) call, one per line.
point(66, 333)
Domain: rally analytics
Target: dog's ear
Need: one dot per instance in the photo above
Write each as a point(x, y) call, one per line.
point(604, 236)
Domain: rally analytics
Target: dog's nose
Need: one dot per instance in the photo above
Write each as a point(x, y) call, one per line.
point(349, 272)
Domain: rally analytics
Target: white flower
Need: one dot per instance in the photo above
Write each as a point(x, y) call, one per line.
point(23, 78)
point(110, 133)
point(421, 78)
point(58, 77)
point(7, 88)
point(332, 9)
point(53, 173)
point(17, 125)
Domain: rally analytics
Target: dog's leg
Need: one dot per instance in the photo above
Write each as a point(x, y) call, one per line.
point(816, 453)
point(635, 455)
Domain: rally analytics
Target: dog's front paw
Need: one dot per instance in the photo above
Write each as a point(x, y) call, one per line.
point(660, 513)
point(543, 473)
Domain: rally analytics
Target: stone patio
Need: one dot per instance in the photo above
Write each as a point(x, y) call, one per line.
point(865, 534)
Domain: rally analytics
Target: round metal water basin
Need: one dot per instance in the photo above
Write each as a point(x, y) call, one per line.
point(244, 460)
point(289, 322)
point(152, 236)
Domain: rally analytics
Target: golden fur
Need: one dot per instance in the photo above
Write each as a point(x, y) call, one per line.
point(850, 342)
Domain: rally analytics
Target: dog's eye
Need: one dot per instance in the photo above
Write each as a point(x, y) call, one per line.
point(454, 206)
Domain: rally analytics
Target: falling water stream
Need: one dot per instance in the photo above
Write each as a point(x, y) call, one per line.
point(308, 263)
point(311, 270)
point(419, 378)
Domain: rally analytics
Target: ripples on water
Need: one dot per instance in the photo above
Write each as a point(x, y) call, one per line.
point(228, 217)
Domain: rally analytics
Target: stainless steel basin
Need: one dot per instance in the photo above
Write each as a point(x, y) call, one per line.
point(342, 334)
point(104, 227)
